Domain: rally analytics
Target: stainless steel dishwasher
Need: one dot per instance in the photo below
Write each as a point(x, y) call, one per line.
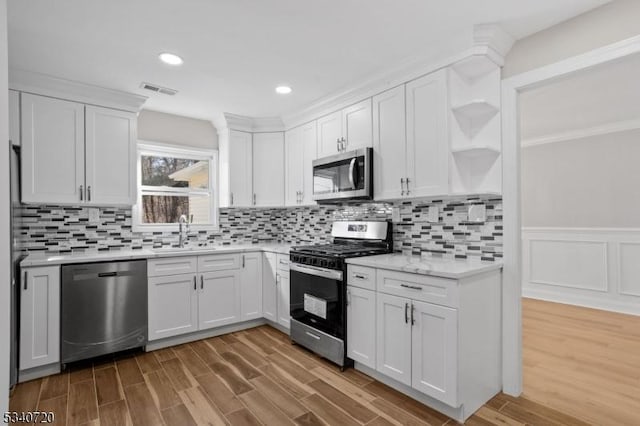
point(104, 308)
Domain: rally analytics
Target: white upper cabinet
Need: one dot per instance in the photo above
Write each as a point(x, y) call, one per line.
point(389, 144)
point(345, 130)
point(240, 169)
point(300, 151)
point(294, 157)
point(427, 136)
point(14, 117)
point(75, 154)
point(110, 156)
point(268, 169)
point(52, 142)
point(329, 134)
point(356, 126)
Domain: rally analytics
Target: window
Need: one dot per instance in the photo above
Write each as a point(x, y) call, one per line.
point(175, 181)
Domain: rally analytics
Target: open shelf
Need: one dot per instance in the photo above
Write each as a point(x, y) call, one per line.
point(476, 110)
point(475, 151)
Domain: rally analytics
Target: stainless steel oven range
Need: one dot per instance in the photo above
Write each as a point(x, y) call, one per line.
point(318, 285)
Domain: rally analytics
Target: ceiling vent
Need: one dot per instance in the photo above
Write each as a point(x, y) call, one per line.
point(158, 89)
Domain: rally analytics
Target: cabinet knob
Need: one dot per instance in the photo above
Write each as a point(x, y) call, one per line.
point(81, 193)
point(25, 279)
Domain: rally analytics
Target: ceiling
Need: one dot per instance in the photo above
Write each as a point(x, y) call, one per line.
point(237, 51)
point(594, 98)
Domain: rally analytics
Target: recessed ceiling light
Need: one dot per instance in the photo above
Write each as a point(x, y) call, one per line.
point(283, 90)
point(170, 59)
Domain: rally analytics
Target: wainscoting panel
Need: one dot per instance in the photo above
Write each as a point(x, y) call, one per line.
point(593, 267)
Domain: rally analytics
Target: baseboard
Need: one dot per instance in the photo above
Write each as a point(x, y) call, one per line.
point(38, 372)
point(619, 306)
point(204, 334)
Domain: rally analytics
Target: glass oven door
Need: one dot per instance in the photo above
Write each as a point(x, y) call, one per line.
point(317, 298)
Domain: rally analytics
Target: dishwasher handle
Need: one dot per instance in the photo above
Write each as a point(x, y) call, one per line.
point(107, 274)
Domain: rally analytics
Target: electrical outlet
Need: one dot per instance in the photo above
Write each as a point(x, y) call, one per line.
point(94, 215)
point(477, 213)
point(433, 214)
point(395, 214)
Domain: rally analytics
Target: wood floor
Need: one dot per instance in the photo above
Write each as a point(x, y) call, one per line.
point(246, 378)
point(583, 362)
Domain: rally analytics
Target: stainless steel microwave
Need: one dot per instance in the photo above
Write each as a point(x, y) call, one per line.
point(345, 176)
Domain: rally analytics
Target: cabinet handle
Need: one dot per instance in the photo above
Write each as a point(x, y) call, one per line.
point(89, 193)
point(407, 181)
point(301, 197)
point(361, 277)
point(338, 144)
point(413, 308)
point(25, 279)
point(243, 260)
point(231, 201)
point(277, 278)
point(312, 335)
point(348, 297)
point(412, 287)
point(254, 199)
point(195, 285)
point(344, 144)
point(406, 313)
point(402, 186)
point(201, 282)
point(283, 262)
point(81, 193)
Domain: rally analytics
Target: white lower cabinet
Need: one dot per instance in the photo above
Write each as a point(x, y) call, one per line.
point(284, 317)
point(361, 336)
point(438, 336)
point(173, 305)
point(219, 299)
point(39, 317)
point(251, 286)
point(269, 288)
point(393, 338)
point(434, 351)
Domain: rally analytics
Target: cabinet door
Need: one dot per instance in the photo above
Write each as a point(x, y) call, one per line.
point(361, 331)
point(52, 150)
point(435, 351)
point(427, 135)
point(268, 169)
point(269, 289)
point(173, 305)
point(240, 169)
point(357, 126)
point(251, 286)
point(284, 316)
point(310, 149)
point(39, 317)
point(393, 337)
point(110, 141)
point(219, 298)
point(329, 132)
point(294, 158)
point(389, 143)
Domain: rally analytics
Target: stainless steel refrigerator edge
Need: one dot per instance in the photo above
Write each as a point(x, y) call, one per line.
point(14, 165)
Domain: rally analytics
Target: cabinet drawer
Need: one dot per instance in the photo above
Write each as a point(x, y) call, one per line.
point(283, 262)
point(361, 276)
point(172, 266)
point(441, 291)
point(218, 262)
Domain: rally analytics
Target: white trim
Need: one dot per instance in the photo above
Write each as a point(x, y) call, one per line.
point(512, 271)
point(622, 307)
point(252, 125)
point(157, 148)
point(604, 129)
point(46, 85)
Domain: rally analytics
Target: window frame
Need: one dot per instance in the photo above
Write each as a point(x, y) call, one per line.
point(163, 149)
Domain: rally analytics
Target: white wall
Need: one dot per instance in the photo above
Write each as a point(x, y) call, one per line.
point(585, 183)
point(607, 24)
point(5, 205)
point(177, 130)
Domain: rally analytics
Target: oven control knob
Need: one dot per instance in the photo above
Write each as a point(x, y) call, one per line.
point(332, 264)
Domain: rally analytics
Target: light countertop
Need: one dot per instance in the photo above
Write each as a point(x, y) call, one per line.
point(446, 268)
point(41, 259)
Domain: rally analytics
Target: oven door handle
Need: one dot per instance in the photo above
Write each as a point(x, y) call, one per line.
point(352, 168)
point(315, 271)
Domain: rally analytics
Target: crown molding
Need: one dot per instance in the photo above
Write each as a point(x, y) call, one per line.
point(486, 39)
point(46, 85)
point(252, 125)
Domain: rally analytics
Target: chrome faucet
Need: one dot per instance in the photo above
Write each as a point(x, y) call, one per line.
point(183, 223)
